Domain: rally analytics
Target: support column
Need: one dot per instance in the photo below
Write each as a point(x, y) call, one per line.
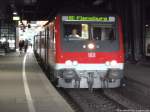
point(124, 9)
point(137, 28)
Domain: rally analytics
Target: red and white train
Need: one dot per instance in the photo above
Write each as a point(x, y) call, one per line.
point(85, 51)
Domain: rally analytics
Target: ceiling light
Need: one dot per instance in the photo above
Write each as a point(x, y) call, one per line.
point(97, 2)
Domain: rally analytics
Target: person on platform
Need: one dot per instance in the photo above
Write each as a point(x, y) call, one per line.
point(25, 46)
point(21, 45)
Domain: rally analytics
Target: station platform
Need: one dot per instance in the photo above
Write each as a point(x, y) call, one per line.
point(25, 88)
point(139, 72)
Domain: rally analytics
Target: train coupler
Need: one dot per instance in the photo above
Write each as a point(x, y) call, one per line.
point(90, 81)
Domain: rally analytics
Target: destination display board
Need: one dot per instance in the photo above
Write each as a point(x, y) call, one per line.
point(89, 18)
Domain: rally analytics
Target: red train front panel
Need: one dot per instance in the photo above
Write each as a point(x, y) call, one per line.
point(89, 51)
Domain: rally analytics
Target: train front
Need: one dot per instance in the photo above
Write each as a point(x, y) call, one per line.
point(89, 52)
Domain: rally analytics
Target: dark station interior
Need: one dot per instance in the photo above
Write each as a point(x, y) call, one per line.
point(25, 81)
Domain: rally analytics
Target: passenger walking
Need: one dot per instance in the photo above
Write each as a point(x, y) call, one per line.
point(31, 45)
point(25, 46)
point(21, 45)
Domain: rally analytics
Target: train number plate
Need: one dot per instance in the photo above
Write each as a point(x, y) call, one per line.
point(92, 55)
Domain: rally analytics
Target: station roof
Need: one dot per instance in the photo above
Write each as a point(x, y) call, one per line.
point(43, 9)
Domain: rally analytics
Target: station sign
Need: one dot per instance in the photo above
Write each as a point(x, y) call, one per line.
point(88, 18)
point(16, 18)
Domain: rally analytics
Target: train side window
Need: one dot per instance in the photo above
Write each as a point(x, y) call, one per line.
point(103, 33)
point(97, 33)
point(72, 31)
point(76, 31)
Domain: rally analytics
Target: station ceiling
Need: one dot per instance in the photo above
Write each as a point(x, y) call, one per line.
point(44, 9)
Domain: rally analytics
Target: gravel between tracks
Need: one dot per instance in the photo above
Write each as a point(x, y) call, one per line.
point(92, 101)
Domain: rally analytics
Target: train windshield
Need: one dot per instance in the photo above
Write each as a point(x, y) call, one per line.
point(78, 31)
point(89, 30)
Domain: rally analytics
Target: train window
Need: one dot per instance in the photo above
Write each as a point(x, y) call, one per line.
point(85, 31)
point(103, 33)
point(76, 31)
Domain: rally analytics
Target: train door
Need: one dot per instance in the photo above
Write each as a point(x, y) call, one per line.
point(52, 43)
point(40, 45)
point(46, 45)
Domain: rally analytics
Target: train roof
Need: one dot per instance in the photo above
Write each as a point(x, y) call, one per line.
point(81, 14)
point(87, 14)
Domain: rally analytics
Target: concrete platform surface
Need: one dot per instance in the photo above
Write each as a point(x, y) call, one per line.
point(25, 88)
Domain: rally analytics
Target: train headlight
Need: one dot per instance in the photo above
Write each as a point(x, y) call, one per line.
point(75, 63)
point(107, 63)
point(113, 63)
point(91, 46)
point(68, 62)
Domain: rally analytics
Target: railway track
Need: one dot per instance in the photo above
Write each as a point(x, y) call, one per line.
point(102, 100)
point(86, 101)
point(131, 105)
